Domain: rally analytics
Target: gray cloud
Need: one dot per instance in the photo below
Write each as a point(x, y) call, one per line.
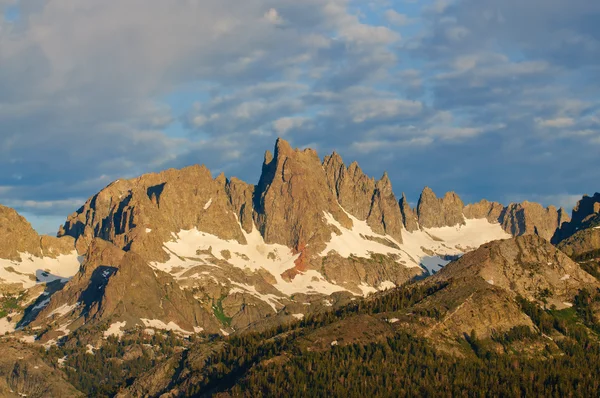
point(489, 98)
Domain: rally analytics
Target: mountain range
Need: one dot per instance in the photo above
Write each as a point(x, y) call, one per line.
point(200, 257)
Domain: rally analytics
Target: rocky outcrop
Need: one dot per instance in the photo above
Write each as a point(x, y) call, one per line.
point(484, 209)
point(241, 195)
point(480, 289)
point(529, 218)
point(291, 198)
point(586, 214)
point(142, 213)
point(363, 197)
point(527, 266)
point(409, 216)
point(582, 245)
point(25, 374)
point(18, 237)
point(517, 218)
point(353, 189)
point(525, 218)
point(436, 213)
point(114, 285)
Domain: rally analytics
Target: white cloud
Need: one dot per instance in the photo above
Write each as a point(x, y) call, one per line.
point(273, 17)
point(559, 122)
point(363, 110)
point(283, 125)
point(366, 147)
point(396, 18)
point(98, 90)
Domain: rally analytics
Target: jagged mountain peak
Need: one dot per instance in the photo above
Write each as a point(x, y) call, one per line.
point(580, 237)
point(262, 244)
point(586, 214)
point(28, 259)
point(16, 235)
point(435, 213)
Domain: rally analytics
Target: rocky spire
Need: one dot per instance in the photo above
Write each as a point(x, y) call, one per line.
point(384, 216)
point(353, 189)
point(586, 212)
point(529, 218)
point(18, 237)
point(363, 197)
point(436, 213)
point(290, 201)
point(409, 217)
point(484, 209)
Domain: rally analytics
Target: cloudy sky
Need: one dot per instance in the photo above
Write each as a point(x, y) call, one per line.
point(490, 98)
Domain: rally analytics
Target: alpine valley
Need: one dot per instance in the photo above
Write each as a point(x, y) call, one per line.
point(316, 281)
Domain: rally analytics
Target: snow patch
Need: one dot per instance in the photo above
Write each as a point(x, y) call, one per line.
point(28, 339)
point(224, 332)
point(49, 344)
point(491, 281)
point(385, 285)
point(566, 277)
point(270, 299)
point(41, 305)
point(298, 316)
point(393, 320)
point(90, 349)
point(63, 310)
point(148, 230)
point(334, 343)
point(366, 289)
point(115, 329)
point(207, 205)
point(6, 326)
point(430, 249)
point(253, 256)
point(31, 269)
point(158, 324)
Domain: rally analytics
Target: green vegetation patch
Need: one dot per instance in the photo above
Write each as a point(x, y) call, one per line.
point(220, 313)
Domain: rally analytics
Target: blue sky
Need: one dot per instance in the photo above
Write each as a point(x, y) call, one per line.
point(493, 99)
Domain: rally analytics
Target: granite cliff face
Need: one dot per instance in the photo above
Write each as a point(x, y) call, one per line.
point(532, 219)
point(119, 288)
point(580, 238)
point(586, 214)
point(517, 219)
point(17, 237)
point(442, 212)
point(363, 197)
point(525, 265)
point(24, 373)
point(141, 214)
point(27, 259)
point(291, 198)
point(482, 286)
point(491, 211)
point(409, 216)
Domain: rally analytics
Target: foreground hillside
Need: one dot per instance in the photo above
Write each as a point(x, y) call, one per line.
point(532, 328)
